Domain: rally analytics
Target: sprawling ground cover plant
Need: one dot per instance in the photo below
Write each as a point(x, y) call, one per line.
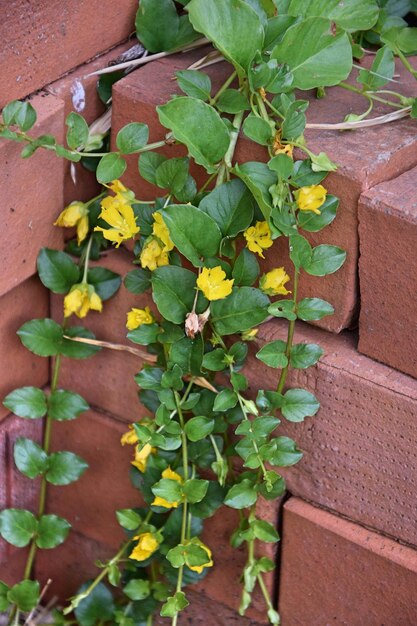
point(197, 250)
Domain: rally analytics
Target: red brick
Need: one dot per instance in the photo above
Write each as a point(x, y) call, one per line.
point(13, 566)
point(69, 565)
point(90, 503)
point(336, 572)
point(21, 368)
point(359, 450)
point(106, 380)
point(44, 40)
point(31, 197)
point(359, 168)
point(388, 273)
point(86, 185)
point(3, 486)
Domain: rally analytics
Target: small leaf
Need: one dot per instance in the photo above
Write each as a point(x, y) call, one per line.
point(145, 334)
point(65, 468)
point(232, 101)
point(298, 404)
point(105, 282)
point(138, 281)
point(74, 349)
point(24, 115)
point(273, 354)
point(4, 603)
point(57, 270)
point(304, 355)
point(129, 519)
point(25, 595)
point(52, 531)
point(173, 292)
point(195, 489)
point(231, 206)
point(18, 526)
point(199, 427)
point(194, 83)
point(241, 496)
point(325, 260)
point(243, 309)
point(300, 251)
point(284, 452)
point(149, 163)
point(27, 402)
point(311, 309)
point(97, 606)
point(174, 604)
point(132, 138)
point(283, 308)
point(137, 589)
point(66, 405)
point(42, 337)
point(258, 130)
point(172, 174)
point(110, 167)
point(312, 222)
point(77, 133)
point(29, 457)
point(225, 400)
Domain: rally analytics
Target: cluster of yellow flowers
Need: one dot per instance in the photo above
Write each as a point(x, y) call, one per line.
point(155, 252)
point(81, 299)
point(118, 213)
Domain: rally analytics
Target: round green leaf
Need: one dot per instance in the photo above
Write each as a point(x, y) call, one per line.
point(25, 595)
point(243, 309)
point(199, 427)
point(172, 174)
point(195, 489)
point(258, 130)
point(188, 354)
point(298, 404)
point(273, 354)
point(138, 281)
point(96, 607)
point(110, 167)
point(137, 589)
point(57, 270)
point(148, 164)
point(65, 468)
point(304, 355)
point(22, 114)
point(129, 519)
point(42, 337)
point(311, 309)
point(199, 127)
point(145, 334)
point(159, 27)
point(173, 290)
point(66, 405)
point(351, 16)
point(105, 282)
point(225, 400)
point(52, 531)
point(232, 101)
point(194, 83)
point(312, 222)
point(29, 457)
point(18, 526)
point(231, 206)
point(284, 452)
point(325, 260)
point(77, 133)
point(4, 603)
point(215, 360)
point(132, 138)
point(168, 489)
point(241, 496)
point(28, 402)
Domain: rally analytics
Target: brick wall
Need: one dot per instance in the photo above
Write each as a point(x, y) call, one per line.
point(349, 526)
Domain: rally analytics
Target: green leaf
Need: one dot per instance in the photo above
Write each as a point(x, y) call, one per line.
point(145, 334)
point(77, 133)
point(172, 174)
point(316, 56)
point(97, 606)
point(380, 72)
point(52, 531)
point(65, 468)
point(148, 164)
point(225, 400)
point(188, 354)
point(28, 402)
point(195, 489)
point(168, 489)
point(298, 404)
point(25, 595)
point(193, 232)
point(199, 427)
point(42, 337)
point(194, 83)
point(149, 378)
point(159, 27)
point(173, 290)
point(325, 260)
point(75, 350)
point(18, 526)
point(215, 360)
point(283, 308)
point(129, 519)
point(20, 113)
point(241, 496)
point(233, 27)
point(407, 40)
point(304, 355)
point(66, 405)
point(351, 16)
point(258, 130)
point(246, 268)
point(174, 604)
point(232, 101)
point(132, 138)
point(105, 282)
point(264, 531)
point(29, 457)
point(273, 354)
point(300, 251)
point(138, 281)
point(231, 206)
point(4, 603)
point(137, 589)
point(199, 127)
point(312, 222)
point(243, 309)
point(67, 154)
point(10, 110)
point(258, 178)
point(284, 452)
point(282, 164)
point(57, 270)
point(311, 309)
point(295, 120)
point(110, 167)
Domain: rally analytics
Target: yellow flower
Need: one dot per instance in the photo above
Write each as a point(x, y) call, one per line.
point(76, 214)
point(249, 335)
point(130, 437)
point(117, 212)
point(141, 456)
point(258, 238)
point(137, 317)
point(146, 546)
point(273, 282)
point(280, 148)
point(213, 283)
point(161, 231)
point(199, 568)
point(170, 475)
point(153, 255)
point(310, 198)
point(81, 299)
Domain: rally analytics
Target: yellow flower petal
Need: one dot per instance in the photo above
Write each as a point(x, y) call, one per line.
point(129, 437)
point(146, 546)
point(153, 255)
point(171, 475)
point(80, 300)
point(71, 215)
point(310, 198)
point(82, 229)
point(141, 457)
point(118, 213)
point(199, 568)
point(213, 283)
point(258, 238)
point(158, 501)
point(137, 317)
point(161, 231)
point(272, 283)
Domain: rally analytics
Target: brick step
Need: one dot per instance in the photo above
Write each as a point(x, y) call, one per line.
point(336, 572)
point(393, 151)
point(32, 196)
point(44, 40)
point(359, 450)
point(388, 273)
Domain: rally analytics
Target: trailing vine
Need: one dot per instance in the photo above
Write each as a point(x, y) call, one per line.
point(199, 250)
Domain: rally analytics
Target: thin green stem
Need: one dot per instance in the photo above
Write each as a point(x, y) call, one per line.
point(265, 592)
point(223, 88)
point(369, 94)
point(87, 259)
point(406, 63)
point(290, 337)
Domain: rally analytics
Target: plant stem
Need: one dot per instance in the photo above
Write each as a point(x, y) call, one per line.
point(406, 63)
point(227, 159)
point(224, 87)
point(87, 259)
point(369, 94)
point(290, 337)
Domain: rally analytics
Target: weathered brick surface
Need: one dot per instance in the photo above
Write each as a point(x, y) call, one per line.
point(79, 93)
point(106, 379)
point(43, 40)
point(90, 503)
point(31, 197)
point(393, 151)
point(388, 273)
point(359, 450)
point(19, 367)
point(336, 572)
point(13, 565)
point(3, 485)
